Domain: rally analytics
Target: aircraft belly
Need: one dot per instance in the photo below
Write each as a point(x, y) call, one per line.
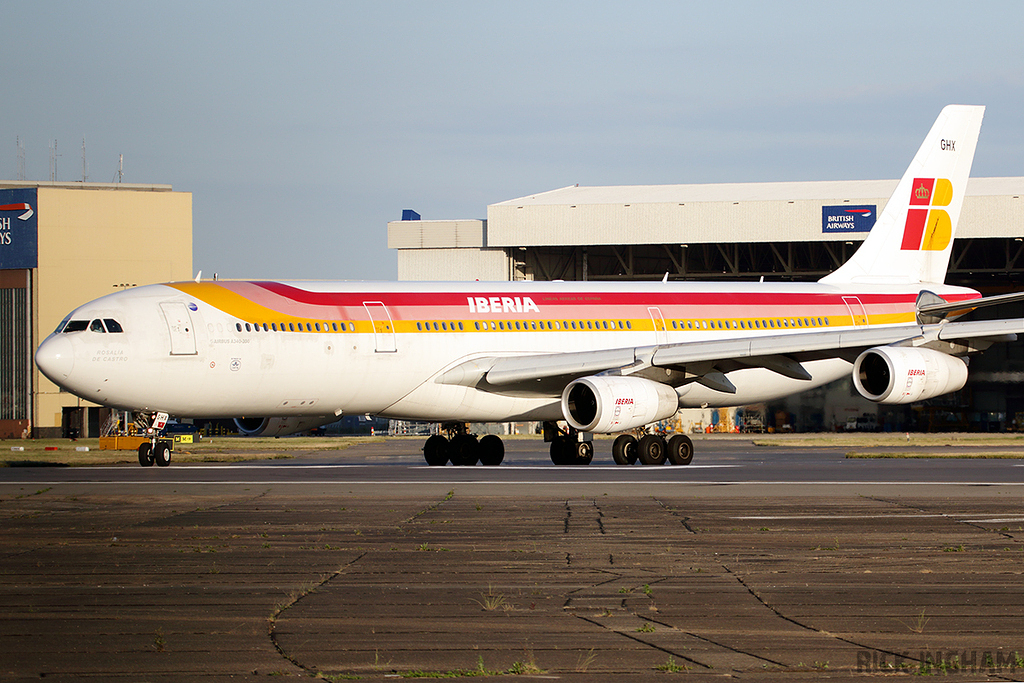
point(754, 385)
point(439, 402)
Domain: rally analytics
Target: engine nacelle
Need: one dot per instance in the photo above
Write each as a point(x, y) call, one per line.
point(615, 404)
point(280, 426)
point(896, 374)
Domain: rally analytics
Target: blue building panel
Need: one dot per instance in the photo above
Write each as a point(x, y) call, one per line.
point(19, 229)
point(848, 218)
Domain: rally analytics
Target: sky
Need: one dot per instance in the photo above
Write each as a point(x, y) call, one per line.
point(302, 128)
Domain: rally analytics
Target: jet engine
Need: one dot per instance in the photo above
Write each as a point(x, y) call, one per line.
point(895, 374)
point(280, 426)
point(615, 404)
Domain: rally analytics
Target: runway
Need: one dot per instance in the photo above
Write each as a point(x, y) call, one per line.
point(758, 563)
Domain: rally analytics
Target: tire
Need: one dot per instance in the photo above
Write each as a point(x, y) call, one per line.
point(652, 450)
point(145, 455)
point(560, 446)
point(584, 452)
point(464, 450)
point(492, 450)
point(435, 451)
point(162, 454)
point(680, 450)
point(624, 449)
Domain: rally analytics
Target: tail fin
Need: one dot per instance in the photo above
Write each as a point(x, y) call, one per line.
point(913, 236)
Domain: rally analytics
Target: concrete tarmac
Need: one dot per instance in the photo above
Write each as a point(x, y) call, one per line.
point(754, 563)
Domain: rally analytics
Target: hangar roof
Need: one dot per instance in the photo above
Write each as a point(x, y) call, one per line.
point(728, 212)
point(743, 192)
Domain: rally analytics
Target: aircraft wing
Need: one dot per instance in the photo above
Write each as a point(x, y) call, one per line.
point(705, 361)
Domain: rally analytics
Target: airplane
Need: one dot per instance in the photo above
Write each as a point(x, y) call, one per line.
point(580, 357)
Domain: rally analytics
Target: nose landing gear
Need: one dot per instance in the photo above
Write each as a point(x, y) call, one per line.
point(158, 449)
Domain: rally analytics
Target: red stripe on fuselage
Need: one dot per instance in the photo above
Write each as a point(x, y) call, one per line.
point(585, 298)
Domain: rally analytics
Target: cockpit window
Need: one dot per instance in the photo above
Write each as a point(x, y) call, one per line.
point(113, 326)
point(96, 326)
point(60, 327)
point(76, 326)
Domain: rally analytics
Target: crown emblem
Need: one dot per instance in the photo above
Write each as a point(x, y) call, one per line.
point(922, 192)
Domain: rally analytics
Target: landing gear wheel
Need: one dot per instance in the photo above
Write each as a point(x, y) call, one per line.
point(435, 451)
point(492, 450)
point(162, 454)
point(652, 450)
point(464, 450)
point(624, 449)
point(561, 453)
point(680, 450)
point(145, 455)
point(584, 453)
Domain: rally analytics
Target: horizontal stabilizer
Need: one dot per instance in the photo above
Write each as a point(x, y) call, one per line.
point(949, 307)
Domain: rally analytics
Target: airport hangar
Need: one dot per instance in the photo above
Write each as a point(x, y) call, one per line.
point(792, 231)
point(83, 240)
point(63, 244)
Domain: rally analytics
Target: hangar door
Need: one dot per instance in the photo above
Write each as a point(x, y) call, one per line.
point(15, 353)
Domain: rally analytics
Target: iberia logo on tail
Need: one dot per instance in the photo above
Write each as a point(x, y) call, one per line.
point(928, 229)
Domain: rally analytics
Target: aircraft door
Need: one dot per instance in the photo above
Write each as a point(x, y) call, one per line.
point(383, 327)
point(660, 330)
point(856, 308)
point(180, 327)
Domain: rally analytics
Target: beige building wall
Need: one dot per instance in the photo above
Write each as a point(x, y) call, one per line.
point(94, 239)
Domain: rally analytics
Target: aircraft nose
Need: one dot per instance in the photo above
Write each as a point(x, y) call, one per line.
point(55, 358)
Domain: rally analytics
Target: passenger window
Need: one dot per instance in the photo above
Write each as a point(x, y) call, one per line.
point(112, 325)
point(629, 325)
point(97, 326)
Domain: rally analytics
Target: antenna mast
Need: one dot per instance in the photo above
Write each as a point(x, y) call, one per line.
point(85, 165)
point(119, 176)
point(21, 159)
point(53, 161)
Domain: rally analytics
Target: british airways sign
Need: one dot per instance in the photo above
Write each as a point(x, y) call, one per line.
point(19, 245)
point(848, 218)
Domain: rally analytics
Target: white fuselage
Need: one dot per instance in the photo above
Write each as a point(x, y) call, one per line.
point(233, 349)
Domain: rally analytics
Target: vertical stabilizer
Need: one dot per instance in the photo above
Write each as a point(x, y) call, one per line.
point(913, 236)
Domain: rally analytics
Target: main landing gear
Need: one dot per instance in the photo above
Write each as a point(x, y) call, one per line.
point(652, 449)
point(462, 448)
point(569, 446)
